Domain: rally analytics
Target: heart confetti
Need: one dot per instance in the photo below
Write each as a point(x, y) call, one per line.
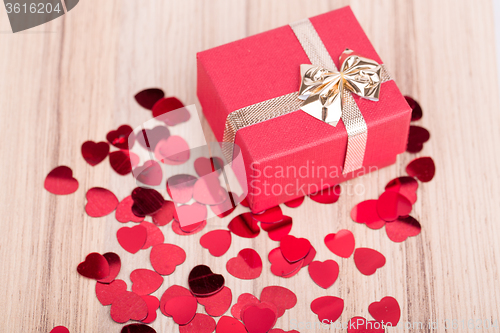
point(154, 235)
point(124, 211)
point(182, 309)
point(244, 226)
point(60, 181)
point(207, 191)
point(271, 215)
point(361, 325)
point(115, 265)
point(341, 243)
point(282, 267)
point(201, 323)
point(148, 97)
point(416, 110)
point(294, 249)
point(422, 168)
point(282, 297)
point(366, 212)
point(100, 202)
point(166, 257)
point(276, 231)
point(149, 173)
point(324, 274)
point(205, 166)
point(406, 186)
point(402, 228)
point(368, 260)
point(328, 308)
point(188, 230)
point(225, 208)
point(128, 306)
point(229, 325)
point(122, 138)
point(172, 292)
point(203, 282)
point(243, 301)
point(132, 239)
point(95, 266)
point(147, 201)
point(217, 304)
point(123, 161)
point(164, 105)
point(106, 293)
point(189, 216)
point(258, 319)
point(145, 281)
point(137, 328)
point(149, 138)
point(173, 151)
point(328, 195)
point(94, 152)
point(246, 266)
point(295, 202)
point(386, 311)
point(416, 139)
point(391, 205)
point(216, 241)
point(180, 187)
point(153, 304)
point(59, 329)
point(165, 214)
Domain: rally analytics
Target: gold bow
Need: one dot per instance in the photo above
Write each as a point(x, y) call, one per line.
point(324, 90)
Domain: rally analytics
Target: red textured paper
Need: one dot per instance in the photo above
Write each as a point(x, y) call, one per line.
point(268, 67)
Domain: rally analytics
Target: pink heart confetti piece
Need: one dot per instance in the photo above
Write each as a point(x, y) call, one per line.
point(188, 230)
point(190, 215)
point(115, 265)
point(325, 273)
point(295, 202)
point(149, 173)
point(276, 231)
point(154, 235)
point(207, 191)
point(132, 239)
point(230, 325)
point(271, 215)
point(182, 309)
point(246, 266)
point(60, 181)
point(95, 266)
point(216, 241)
point(165, 214)
point(244, 226)
point(225, 208)
point(342, 243)
point(145, 281)
point(391, 205)
point(368, 260)
point(180, 187)
point(280, 266)
point(204, 166)
point(281, 297)
point(243, 301)
point(217, 304)
point(328, 308)
point(123, 161)
point(148, 97)
point(201, 323)
point(166, 257)
point(94, 152)
point(294, 249)
point(406, 186)
point(128, 306)
point(100, 202)
point(422, 168)
point(328, 195)
point(173, 151)
point(106, 293)
point(386, 311)
point(122, 138)
point(124, 212)
point(402, 228)
point(153, 304)
point(149, 138)
point(366, 212)
point(172, 292)
point(258, 319)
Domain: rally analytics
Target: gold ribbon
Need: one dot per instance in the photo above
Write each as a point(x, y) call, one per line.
point(322, 89)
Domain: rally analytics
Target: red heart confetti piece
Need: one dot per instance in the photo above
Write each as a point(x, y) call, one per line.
point(402, 228)
point(416, 110)
point(115, 265)
point(325, 273)
point(95, 266)
point(391, 205)
point(361, 325)
point(122, 138)
point(207, 191)
point(328, 195)
point(368, 260)
point(276, 231)
point(153, 304)
point(246, 266)
point(189, 216)
point(165, 215)
point(201, 323)
point(244, 226)
point(145, 281)
point(164, 105)
point(172, 292)
point(60, 181)
point(182, 309)
point(294, 249)
point(271, 215)
point(422, 168)
point(148, 97)
point(132, 239)
point(244, 202)
point(225, 208)
point(203, 282)
point(328, 308)
point(154, 235)
point(366, 212)
point(282, 297)
point(147, 201)
point(295, 202)
point(416, 139)
point(149, 138)
point(190, 229)
point(173, 151)
point(128, 306)
point(205, 166)
point(310, 257)
point(258, 320)
point(165, 257)
point(137, 328)
point(386, 311)
point(106, 293)
point(229, 325)
point(216, 241)
point(94, 152)
point(59, 329)
point(216, 305)
point(180, 187)
point(342, 243)
point(280, 266)
point(124, 211)
point(100, 202)
point(149, 173)
point(243, 301)
point(406, 186)
point(174, 117)
point(122, 161)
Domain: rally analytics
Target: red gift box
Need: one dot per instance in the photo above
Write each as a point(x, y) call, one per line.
point(296, 154)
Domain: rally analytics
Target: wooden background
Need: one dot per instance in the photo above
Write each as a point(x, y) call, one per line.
point(73, 80)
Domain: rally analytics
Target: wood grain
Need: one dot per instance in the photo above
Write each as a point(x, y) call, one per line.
point(73, 79)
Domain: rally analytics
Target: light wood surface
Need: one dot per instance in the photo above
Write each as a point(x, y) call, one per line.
point(73, 80)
